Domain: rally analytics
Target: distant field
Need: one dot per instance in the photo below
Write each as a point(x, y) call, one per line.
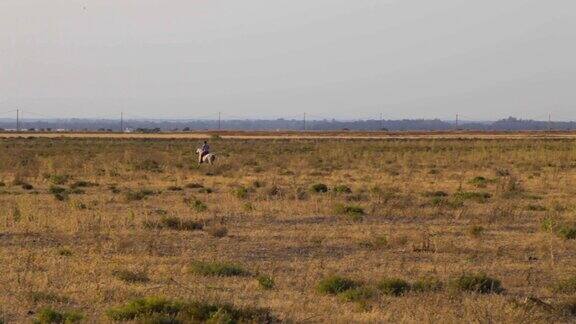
point(292, 227)
point(298, 134)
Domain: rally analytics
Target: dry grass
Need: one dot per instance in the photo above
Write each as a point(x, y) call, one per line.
point(405, 220)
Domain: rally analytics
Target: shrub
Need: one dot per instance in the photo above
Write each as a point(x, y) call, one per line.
point(160, 310)
point(51, 316)
point(240, 192)
point(478, 283)
point(198, 206)
point(47, 297)
point(2, 184)
point(376, 242)
point(476, 231)
point(334, 285)
point(536, 208)
point(354, 212)
point(194, 186)
point(137, 195)
point(59, 179)
point(27, 186)
point(427, 284)
point(342, 189)
point(56, 190)
point(174, 223)
point(393, 286)
point(174, 188)
point(217, 269)
point(218, 231)
point(358, 294)
point(65, 252)
point(145, 307)
point(82, 184)
point(319, 188)
point(480, 197)
point(266, 282)
point(131, 276)
point(567, 233)
point(436, 194)
point(479, 182)
point(567, 285)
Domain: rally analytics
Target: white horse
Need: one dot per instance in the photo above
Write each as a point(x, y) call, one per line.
point(208, 158)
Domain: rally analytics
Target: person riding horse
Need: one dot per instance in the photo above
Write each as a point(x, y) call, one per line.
point(204, 150)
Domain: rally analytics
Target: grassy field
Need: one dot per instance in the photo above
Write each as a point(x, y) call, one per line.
point(294, 230)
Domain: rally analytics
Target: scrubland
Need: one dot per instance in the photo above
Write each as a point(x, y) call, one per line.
point(287, 230)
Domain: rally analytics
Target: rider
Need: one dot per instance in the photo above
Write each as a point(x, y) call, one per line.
point(204, 150)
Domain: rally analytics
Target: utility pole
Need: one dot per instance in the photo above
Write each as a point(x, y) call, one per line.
point(122, 122)
point(549, 122)
point(381, 122)
point(17, 120)
point(219, 120)
point(304, 121)
point(457, 120)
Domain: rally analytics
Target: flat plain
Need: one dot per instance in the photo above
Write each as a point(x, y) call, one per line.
point(427, 229)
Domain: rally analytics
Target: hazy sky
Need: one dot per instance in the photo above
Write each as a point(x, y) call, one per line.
point(270, 58)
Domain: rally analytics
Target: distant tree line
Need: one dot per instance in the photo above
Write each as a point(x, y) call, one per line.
point(154, 126)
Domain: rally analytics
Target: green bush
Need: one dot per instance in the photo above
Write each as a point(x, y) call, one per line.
point(59, 179)
point(217, 269)
point(427, 284)
point(334, 285)
point(240, 192)
point(567, 233)
point(161, 310)
point(137, 195)
point(319, 188)
point(51, 316)
point(480, 197)
point(266, 282)
point(199, 206)
point(342, 189)
point(393, 286)
point(478, 283)
point(357, 294)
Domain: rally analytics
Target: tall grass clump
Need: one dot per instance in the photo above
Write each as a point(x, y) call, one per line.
point(393, 286)
point(334, 285)
point(477, 283)
point(51, 316)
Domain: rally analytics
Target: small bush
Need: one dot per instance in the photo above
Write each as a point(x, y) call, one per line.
point(393, 286)
point(2, 184)
point(59, 179)
point(240, 192)
point(319, 188)
point(355, 213)
point(480, 197)
point(56, 190)
point(160, 310)
point(478, 283)
point(536, 208)
point(194, 186)
point(198, 206)
point(342, 189)
point(566, 286)
point(51, 316)
point(82, 184)
point(65, 252)
point(46, 297)
point(137, 195)
point(217, 269)
point(266, 282)
point(476, 231)
point(436, 194)
point(567, 233)
point(174, 223)
point(358, 294)
point(175, 188)
point(27, 186)
point(218, 231)
point(131, 276)
point(335, 285)
point(427, 284)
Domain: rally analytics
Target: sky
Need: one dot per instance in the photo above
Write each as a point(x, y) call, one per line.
point(342, 59)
